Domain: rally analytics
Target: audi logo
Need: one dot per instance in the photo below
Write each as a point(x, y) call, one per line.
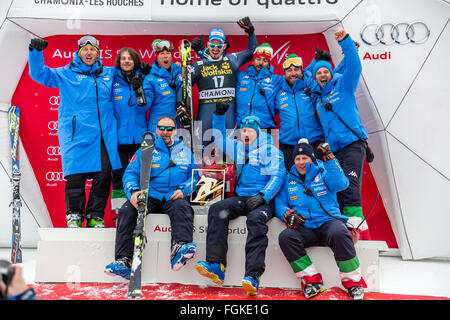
point(53, 125)
point(54, 176)
point(400, 33)
point(53, 151)
point(54, 100)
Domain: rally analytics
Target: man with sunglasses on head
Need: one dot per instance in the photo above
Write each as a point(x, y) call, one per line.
point(162, 84)
point(87, 129)
point(256, 88)
point(215, 74)
point(171, 182)
point(260, 174)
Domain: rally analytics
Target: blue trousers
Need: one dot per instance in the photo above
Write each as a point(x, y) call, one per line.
point(219, 216)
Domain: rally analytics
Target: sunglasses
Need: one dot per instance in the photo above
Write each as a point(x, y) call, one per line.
point(249, 121)
point(296, 62)
point(88, 40)
point(168, 128)
point(162, 45)
point(265, 51)
point(218, 46)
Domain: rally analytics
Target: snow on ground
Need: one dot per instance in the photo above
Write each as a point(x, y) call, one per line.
point(424, 277)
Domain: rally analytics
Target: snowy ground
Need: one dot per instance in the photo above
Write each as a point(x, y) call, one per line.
point(425, 277)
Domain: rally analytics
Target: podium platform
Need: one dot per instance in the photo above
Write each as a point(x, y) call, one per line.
point(80, 255)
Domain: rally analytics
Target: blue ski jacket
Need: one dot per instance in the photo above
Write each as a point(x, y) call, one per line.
point(259, 167)
point(85, 113)
point(324, 179)
point(164, 180)
point(340, 92)
point(255, 95)
point(131, 118)
point(161, 87)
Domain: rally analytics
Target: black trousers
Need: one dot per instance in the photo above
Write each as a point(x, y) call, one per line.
point(75, 191)
point(126, 152)
point(181, 217)
point(351, 159)
point(219, 216)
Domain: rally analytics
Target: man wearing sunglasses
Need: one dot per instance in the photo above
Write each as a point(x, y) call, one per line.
point(87, 129)
point(170, 185)
point(215, 73)
point(260, 174)
point(162, 84)
point(256, 88)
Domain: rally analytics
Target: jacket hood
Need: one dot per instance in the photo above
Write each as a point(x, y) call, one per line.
point(78, 65)
point(264, 73)
point(312, 169)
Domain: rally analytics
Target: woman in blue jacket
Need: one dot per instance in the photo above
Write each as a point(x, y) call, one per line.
point(131, 114)
point(307, 204)
point(87, 129)
point(339, 115)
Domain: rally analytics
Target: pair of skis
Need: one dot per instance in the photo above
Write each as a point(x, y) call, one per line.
point(16, 203)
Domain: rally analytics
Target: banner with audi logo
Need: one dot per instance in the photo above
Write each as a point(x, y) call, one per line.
point(400, 33)
point(39, 122)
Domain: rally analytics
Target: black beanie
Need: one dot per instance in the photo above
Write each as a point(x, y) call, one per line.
point(303, 147)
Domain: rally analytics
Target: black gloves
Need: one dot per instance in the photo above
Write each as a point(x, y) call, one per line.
point(247, 25)
point(136, 82)
point(145, 68)
point(322, 55)
point(254, 202)
point(183, 113)
point(197, 44)
point(221, 108)
point(38, 44)
point(324, 153)
point(292, 219)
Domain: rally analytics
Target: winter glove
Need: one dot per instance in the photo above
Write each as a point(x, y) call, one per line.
point(38, 44)
point(292, 219)
point(145, 68)
point(183, 113)
point(322, 55)
point(254, 202)
point(197, 44)
point(324, 153)
point(221, 108)
point(136, 82)
point(247, 25)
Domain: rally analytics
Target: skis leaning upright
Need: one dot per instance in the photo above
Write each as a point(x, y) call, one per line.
point(135, 285)
point(16, 203)
point(185, 49)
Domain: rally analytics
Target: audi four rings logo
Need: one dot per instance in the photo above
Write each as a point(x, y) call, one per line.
point(54, 100)
point(53, 125)
point(54, 176)
point(400, 33)
point(53, 151)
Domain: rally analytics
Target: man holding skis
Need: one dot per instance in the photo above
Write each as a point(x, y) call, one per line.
point(170, 186)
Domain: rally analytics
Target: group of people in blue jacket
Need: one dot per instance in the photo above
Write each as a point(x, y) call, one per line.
point(312, 182)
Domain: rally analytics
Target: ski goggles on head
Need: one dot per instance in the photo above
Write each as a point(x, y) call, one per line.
point(294, 61)
point(249, 121)
point(264, 51)
point(218, 46)
point(160, 45)
point(167, 128)
point(88, 39)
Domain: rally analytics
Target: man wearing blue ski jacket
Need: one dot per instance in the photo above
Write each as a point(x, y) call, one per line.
point(339, 115)
point(307, 204)
point(260, 173)
point(130, 114)
point(87, 129)
point(257, 87)
point(171, 182)
point(162, 84)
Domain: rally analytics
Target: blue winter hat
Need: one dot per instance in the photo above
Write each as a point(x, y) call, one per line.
point(251, 122)
point(303, 147)
point(322, 64)
point(217, 34)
